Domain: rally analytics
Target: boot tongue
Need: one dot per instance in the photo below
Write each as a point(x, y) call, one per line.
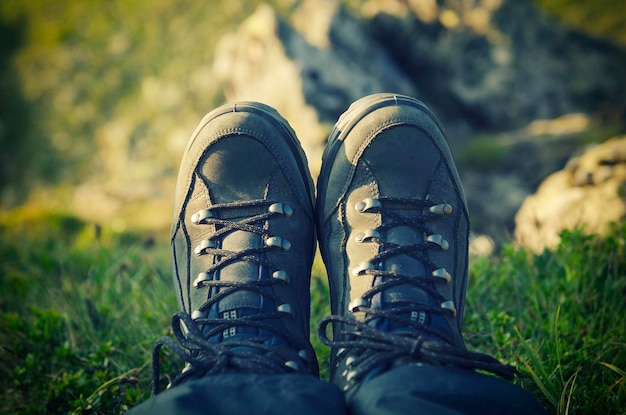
point(404, 265)
point(401, 295)
point(240, 271)
point(404, 295)
point(241, 302)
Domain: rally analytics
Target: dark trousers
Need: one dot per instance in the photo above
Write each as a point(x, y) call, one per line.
point(404, 390)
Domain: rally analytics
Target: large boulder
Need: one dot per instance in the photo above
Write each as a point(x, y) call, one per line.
point(499, 65)
point(310, 76)
point(490, 67)
point(590, 192)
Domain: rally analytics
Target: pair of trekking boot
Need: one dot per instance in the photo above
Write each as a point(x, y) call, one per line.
point(391, 221)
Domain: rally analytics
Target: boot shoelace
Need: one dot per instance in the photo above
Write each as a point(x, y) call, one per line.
point(421, 343)
point(192, 332)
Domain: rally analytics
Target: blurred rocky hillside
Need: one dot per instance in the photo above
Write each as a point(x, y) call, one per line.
point(99, 98)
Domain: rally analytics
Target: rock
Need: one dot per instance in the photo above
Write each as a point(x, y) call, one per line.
point(310, 82)
point(252, 64)
point(500, 170)
point(499, 65)
point(589, 192)
point(478, 68)
point(485, 67)
point(599, 164)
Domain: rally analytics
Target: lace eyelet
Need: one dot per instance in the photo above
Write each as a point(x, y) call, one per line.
point(357, 303)
point(367, 236)
point(367, 204)
point(278, 242)
point(305, 355)
point(281, 209)
point(292, 365)
point(363, 266)
point(205, 244)
point(443, 274)
point(201, 215)
point(438, 240)
point(285, 309)
point(441, 209)
point(202, 277)
point(282, 276)
point(449, 305)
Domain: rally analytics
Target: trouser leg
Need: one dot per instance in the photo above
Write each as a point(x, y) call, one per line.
point(248, 394)
point(438, 390)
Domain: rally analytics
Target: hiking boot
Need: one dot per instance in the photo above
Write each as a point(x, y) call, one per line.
point(393, 228)
point(243, 242)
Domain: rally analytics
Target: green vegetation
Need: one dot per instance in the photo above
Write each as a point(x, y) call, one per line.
point(484, 153)
point(81, 307)
point(87, 85)
point(82, 304)
point(94, 87)
point(559, 317)
point(601, 18)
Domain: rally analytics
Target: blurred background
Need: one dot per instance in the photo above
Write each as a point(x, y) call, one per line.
point(99, 98)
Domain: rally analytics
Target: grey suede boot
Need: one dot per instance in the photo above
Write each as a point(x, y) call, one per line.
point(393, 229)
point(243, 242)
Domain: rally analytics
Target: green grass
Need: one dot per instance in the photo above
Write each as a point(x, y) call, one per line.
point(560, 317)
point(81, 307)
